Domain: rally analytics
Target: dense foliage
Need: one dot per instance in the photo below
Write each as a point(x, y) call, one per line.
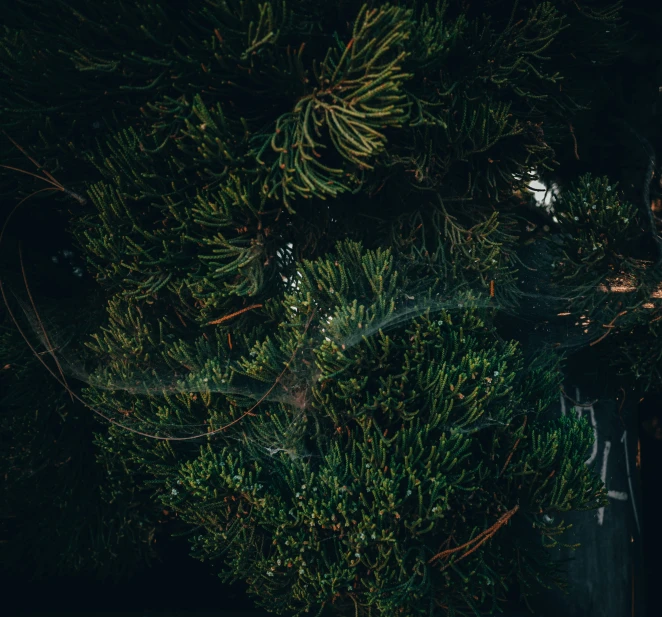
point(302, 225)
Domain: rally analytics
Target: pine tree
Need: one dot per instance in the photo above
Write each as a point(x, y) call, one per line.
point(309, 221)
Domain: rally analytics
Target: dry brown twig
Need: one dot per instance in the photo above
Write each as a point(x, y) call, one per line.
point(48, 179)
point(47, 342)
point(480, 539)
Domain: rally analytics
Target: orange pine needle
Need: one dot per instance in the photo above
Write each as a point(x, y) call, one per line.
point(513, 450)
point(231, 315)
point(181, 318)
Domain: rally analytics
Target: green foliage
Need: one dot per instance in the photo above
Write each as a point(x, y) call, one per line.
point(383, 429)
point(398, 435)
point(639, 354)
point(307, 219)
point(594, 216)
point(611, 287)
point(601, 232)
point(332, 80)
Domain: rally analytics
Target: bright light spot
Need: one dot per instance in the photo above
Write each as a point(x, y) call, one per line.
point(542, 194)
